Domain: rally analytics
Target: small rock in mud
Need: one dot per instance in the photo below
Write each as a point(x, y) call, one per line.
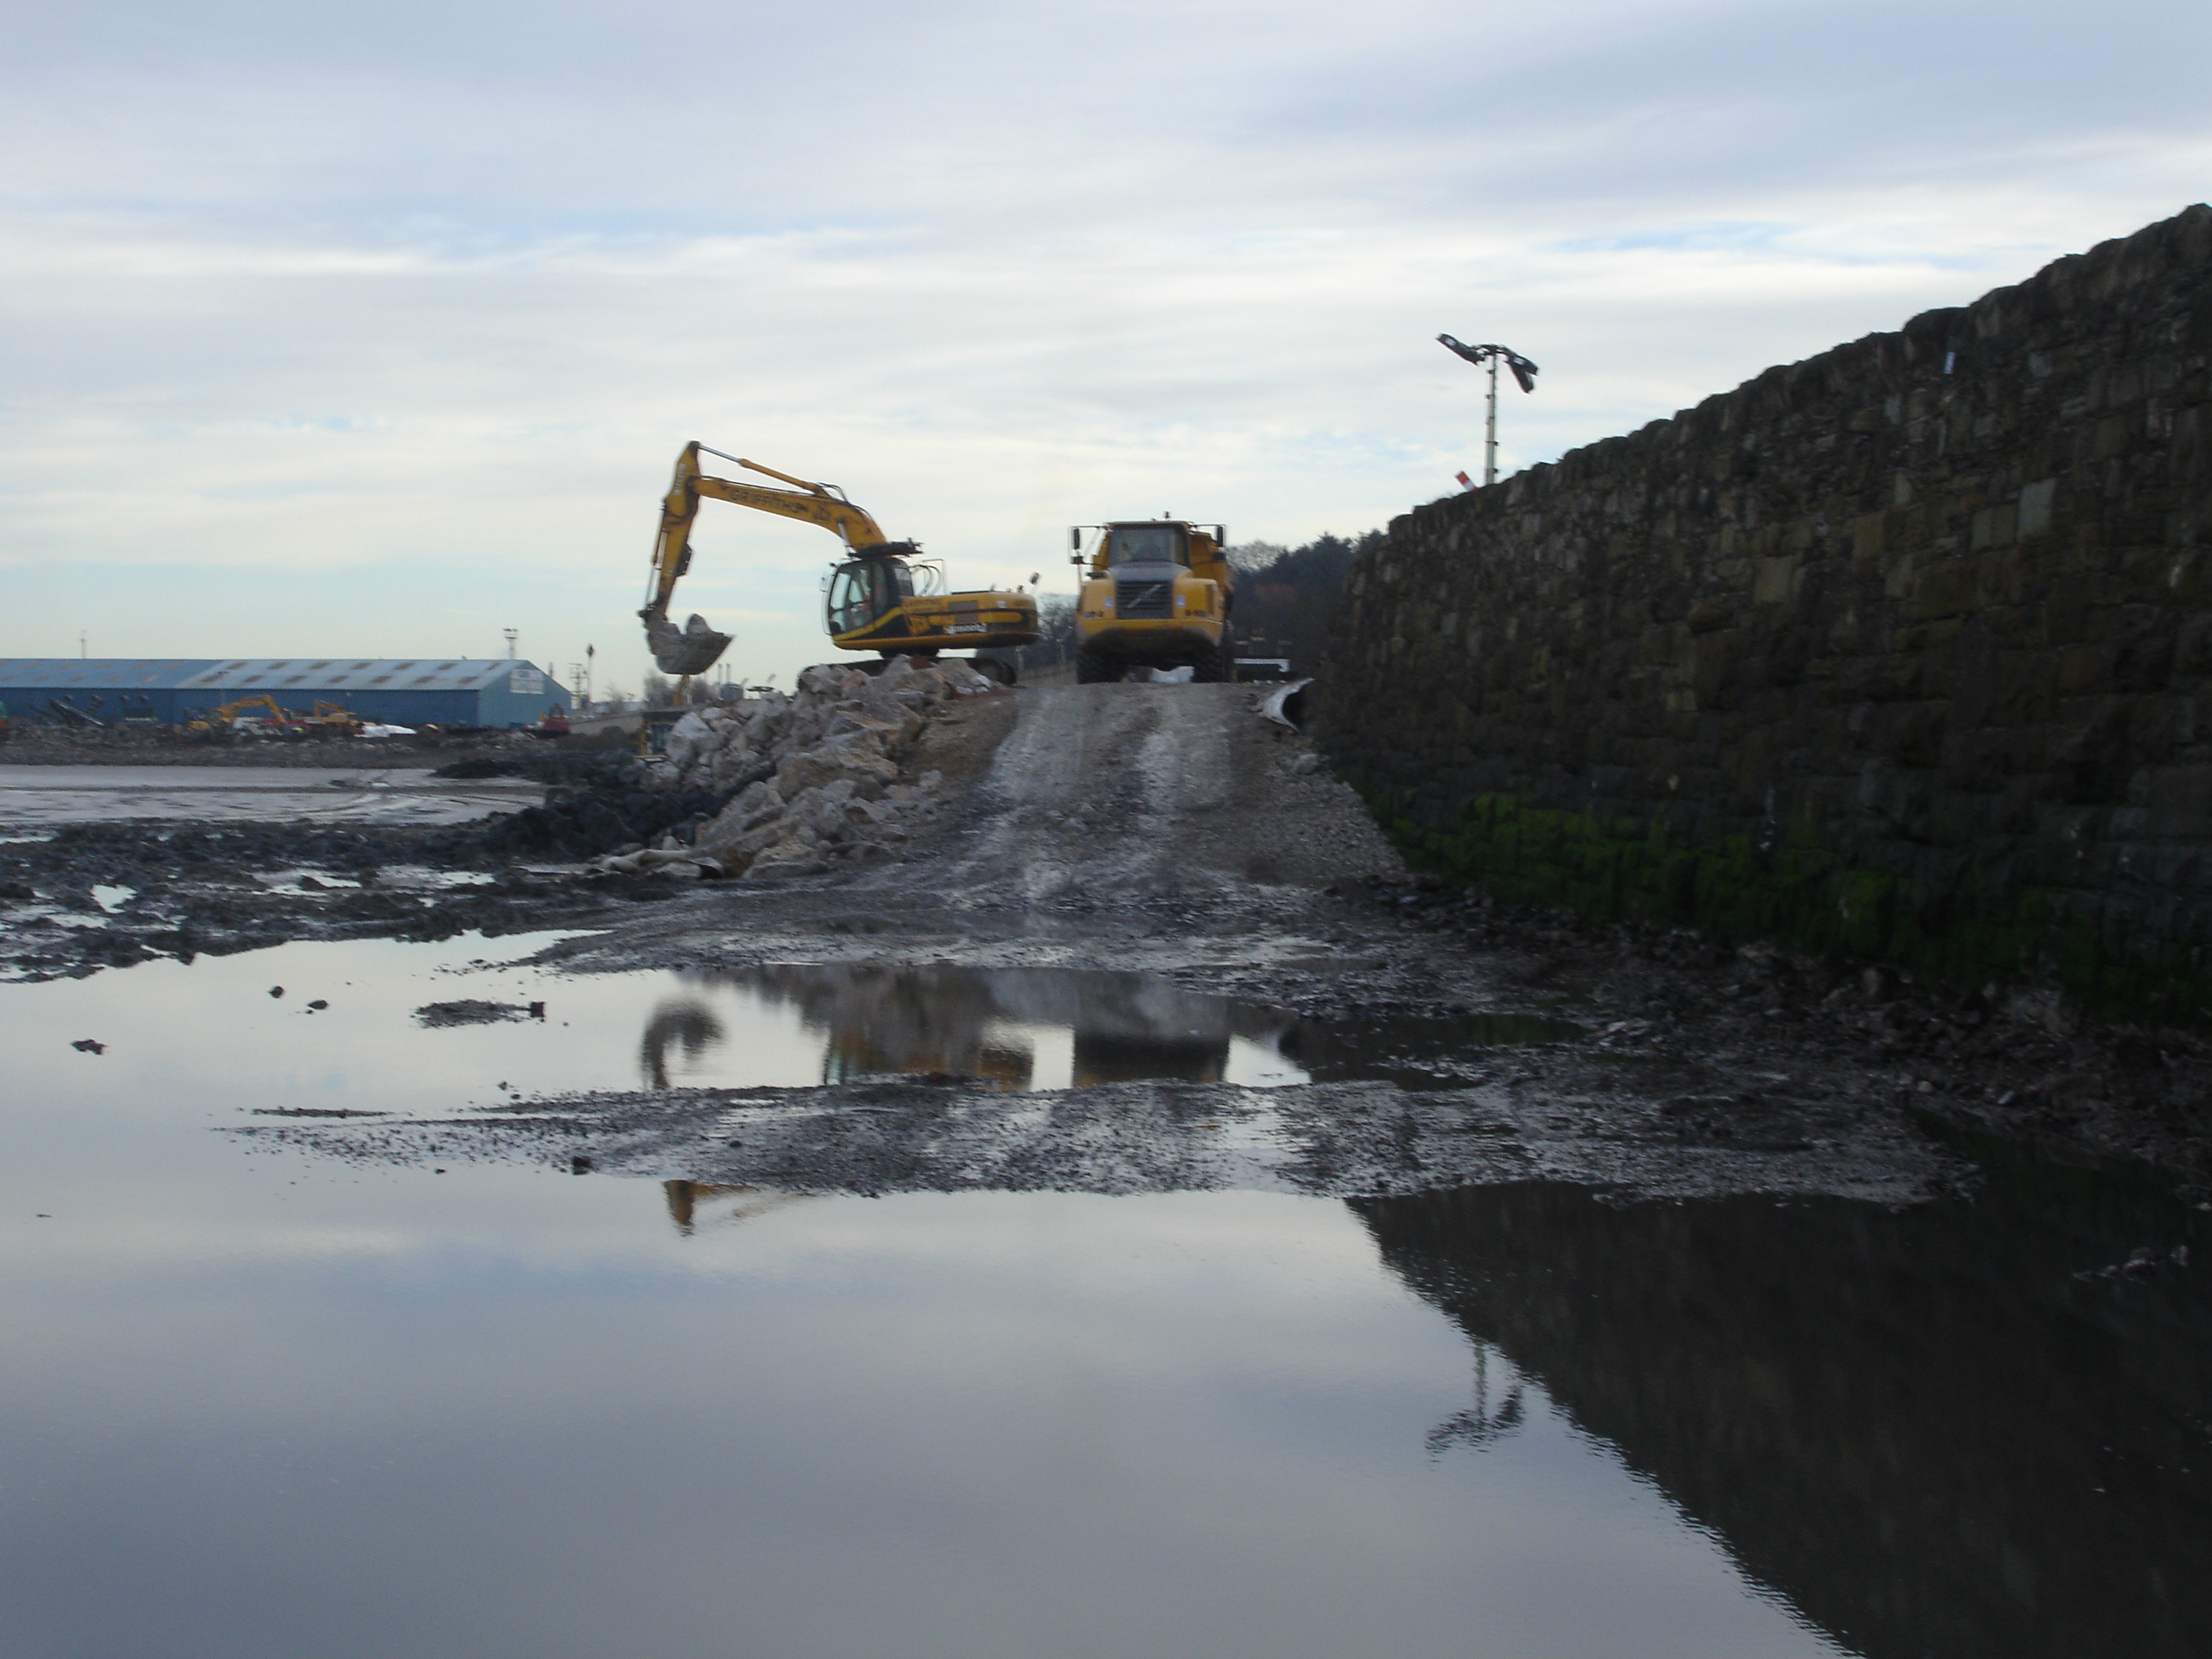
point(473, 1011)
point(89, 1045)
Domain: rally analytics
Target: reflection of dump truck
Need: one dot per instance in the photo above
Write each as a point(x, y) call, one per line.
point(883, 598)
point(1156, 594)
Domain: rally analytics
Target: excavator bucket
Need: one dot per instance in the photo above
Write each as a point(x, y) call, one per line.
point(692, 649)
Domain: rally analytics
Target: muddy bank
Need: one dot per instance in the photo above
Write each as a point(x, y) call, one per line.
point(1151, 830)
point(83, 896)
point(1169, 832)
point(91, 897)
point(1367, 1139)
point(2015, 1060)
point(32, 743)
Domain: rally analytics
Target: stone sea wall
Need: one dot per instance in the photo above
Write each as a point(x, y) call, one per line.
point(1903, 652)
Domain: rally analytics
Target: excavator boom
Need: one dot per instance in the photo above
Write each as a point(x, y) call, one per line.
point(693, 648)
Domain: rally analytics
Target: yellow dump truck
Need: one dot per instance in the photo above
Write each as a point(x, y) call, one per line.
point(1157, 593)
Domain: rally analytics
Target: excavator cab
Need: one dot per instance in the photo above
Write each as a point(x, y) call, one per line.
point(863, 591)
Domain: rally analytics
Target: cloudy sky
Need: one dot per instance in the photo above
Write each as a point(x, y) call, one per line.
point(375, 329)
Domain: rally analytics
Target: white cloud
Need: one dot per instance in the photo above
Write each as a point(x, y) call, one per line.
point(333, 332)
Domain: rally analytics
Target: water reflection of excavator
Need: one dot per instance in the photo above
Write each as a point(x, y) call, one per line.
point(890, 1021)
point(690, 1026)
point(883, 597)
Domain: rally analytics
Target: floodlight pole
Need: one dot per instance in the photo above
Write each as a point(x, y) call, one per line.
point(1489, 357)
point(1490, 432)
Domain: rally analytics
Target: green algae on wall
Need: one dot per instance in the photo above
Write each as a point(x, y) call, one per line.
point(1795, 894)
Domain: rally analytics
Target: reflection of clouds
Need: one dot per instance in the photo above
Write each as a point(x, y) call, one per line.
point(678, 1023)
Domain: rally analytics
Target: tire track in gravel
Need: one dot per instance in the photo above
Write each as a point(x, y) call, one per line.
point(1108, 788)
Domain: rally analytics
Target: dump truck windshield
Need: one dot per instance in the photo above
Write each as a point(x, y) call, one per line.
point(1147, 544)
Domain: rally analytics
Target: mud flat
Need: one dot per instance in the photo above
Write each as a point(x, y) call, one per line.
point(1166, 832)
point(38, 797)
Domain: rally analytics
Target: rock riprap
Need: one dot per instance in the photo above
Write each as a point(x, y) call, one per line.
point(806, 780)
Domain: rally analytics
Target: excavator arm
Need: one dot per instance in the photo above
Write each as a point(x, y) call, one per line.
point(693, 647)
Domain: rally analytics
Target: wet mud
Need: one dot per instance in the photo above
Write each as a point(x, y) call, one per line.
point(1167, 832)
point(85, 897)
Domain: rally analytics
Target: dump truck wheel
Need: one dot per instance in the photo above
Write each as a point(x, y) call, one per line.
point(1094, 667)
point(1212, 665)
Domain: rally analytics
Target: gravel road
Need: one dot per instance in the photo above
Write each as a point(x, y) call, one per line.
point(1103, 793)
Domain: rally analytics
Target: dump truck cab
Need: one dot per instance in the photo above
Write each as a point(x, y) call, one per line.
point(1156, 593)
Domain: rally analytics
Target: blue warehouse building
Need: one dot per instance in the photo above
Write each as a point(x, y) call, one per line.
point(494, 691)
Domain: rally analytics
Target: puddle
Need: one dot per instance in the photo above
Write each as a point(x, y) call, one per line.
point(1935, 1430)
point(1013, 1028)
point(1051, 1028)
point(347, 1030)
point(38, 795)
point(261, 1402)
point(417, 875)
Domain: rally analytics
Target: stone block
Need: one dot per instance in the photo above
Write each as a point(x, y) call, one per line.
point(827, 763)
point(1869, 537)
point(2179, 799)
point(1775, 582)
point(1993, 526)
point(1945, 589)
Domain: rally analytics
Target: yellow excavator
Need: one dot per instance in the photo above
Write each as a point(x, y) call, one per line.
point(1156, 594)
point(327, 717)
point(226, 717)
point(883, 597)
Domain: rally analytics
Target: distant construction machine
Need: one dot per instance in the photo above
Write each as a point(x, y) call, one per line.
point(1157, 594)
point(326, 718)
point(883, 597)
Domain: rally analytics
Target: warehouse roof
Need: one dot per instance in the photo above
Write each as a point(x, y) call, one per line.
point(258, 673)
